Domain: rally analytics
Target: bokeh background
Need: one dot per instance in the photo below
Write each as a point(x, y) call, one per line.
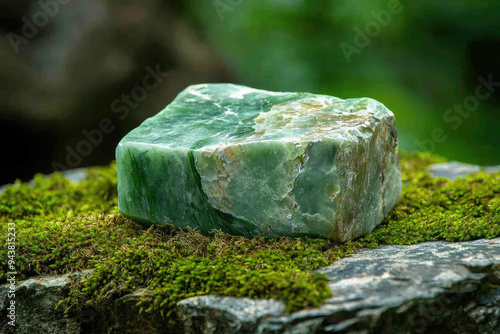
point(67, 65)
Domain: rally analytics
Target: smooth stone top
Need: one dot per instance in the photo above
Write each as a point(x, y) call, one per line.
point(204, 115)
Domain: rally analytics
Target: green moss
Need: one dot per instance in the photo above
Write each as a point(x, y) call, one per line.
point(63, 227)
point(432, 209)
point(488, 288)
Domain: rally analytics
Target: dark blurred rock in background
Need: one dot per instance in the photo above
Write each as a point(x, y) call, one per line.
point(62, 83)
point(80, 68)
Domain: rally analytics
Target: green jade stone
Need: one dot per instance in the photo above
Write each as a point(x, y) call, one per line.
point(258, 163)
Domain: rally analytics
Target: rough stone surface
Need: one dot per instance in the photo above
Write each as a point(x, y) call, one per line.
point(426, 288)
point(253, 162)
point(35, 301)
point(454, 170)
point(37, 298)
point(433, 287)
point(217, 314)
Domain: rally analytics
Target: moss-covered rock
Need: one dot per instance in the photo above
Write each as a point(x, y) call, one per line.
point(63, 227)
point(434, 287)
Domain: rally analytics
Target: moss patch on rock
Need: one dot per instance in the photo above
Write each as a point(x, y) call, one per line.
point(63, 227)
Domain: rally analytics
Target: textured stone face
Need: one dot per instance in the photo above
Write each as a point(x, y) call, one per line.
point(253, 162)
point(433, 287)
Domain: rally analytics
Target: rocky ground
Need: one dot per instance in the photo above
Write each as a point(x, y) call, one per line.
point(431, 287)
point(434, 287)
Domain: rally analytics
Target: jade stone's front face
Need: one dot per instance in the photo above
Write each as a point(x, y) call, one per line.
point(252, 162)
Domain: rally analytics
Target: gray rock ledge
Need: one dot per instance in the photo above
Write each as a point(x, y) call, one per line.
point(425, 288)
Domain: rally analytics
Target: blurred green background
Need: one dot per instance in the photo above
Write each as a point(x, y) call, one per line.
point(434, 64)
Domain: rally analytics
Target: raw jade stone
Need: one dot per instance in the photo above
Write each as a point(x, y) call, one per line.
point(258, 163)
